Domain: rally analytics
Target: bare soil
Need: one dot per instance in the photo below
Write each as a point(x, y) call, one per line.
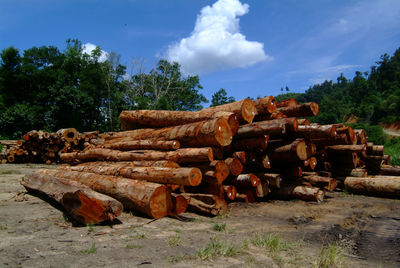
point(35, 233)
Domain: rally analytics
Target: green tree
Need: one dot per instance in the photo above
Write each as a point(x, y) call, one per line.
point(220, 97)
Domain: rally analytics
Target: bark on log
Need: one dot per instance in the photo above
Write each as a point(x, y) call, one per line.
point(206, 204)
point(83, 204)
point(244, 109)
point(274, 180)
point(161, 163)
point(265, 105)
point(179, 204)
point(390, 170)
point(378, 150)
point(299, 192)
point(265, 117)
point(286, 103)
point(289, 153)
point(180, 176)
point(272, 128)
point(326, 183)
point(301, 110)
point(251, 144)
point(216, 169)
point(343, 160)
point(303, 121)
point(148, 198)
point(346, 148)
point(315, 131)
point(354, 172)
point(244, 181)
point(262, 189)
point(373, 164)
point(162, 118)
point(142, 145)
point(246, 195)
point(385, 186)
point(186, 155)
point(242, 156)
point(235, 165)
point(361, 136)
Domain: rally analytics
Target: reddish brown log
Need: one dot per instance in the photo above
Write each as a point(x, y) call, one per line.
point(161, 163)
point(301, 110)
point(265, 105)
point(142, 145)
point(355, 172)
point(303, 121)
point(187, 155)
point(372, 149)
point(257, 161)
point(230, 191)
point(289, 153)
point(390, 170)
point(244, 109)
point(262, 189)
point(217, 170)
point(162, 118)
point(265, 117)
point(246, 195)
point(299, 192)
point(181, 176)
point(68, 134)
point(244, 181)
point(83, 204)
point(146, 197)
point(343, 160)
point(179, 204)
point(385, 186)
point(286, 103)
point(387, 159)
point(273, 127)
point(346, 148)
point(235, 165)
point(274, 180)
point(251, 144)
point(373, 164)
point(206, 204)
point(326, 183)
point(242, 156)
point(361, 136)
point(315, 131)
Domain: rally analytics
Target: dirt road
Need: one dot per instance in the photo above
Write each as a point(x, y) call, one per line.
point(359, 232)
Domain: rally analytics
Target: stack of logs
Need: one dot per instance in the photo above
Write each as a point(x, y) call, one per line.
point(45, 147)
point(164, 162)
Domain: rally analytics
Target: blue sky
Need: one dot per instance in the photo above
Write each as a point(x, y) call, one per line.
point(249, 47)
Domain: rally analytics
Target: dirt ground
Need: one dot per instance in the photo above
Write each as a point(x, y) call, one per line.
point(344, 231)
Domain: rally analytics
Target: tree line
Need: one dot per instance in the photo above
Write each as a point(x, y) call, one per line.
point(48, 88)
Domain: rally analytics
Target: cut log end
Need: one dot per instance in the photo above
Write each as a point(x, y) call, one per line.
point(195, 177)
point(223, 132)
point(248, 110)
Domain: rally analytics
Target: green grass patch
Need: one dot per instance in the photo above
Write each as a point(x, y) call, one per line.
point(392, 148)
point(271, 242)
point(9, 171)
point(217, 248)
point(331, 255)
point(90, 227)
point(140, 234)
point(174, 241)
point(219, 227)
point(132, 246)
point(90, 250)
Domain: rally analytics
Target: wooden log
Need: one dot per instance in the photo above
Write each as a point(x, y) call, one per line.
point(303, 121)
point(262, 189)
point(384, 186)
point(390, 170)
point(265, 117)
point(242, 156)
point(258, 144)
point(343, 160)
point(257, 161)
point(286, 103)
point(301, 110)
point(274, 180)
point(244, 180)
point(79, 201)
point(378, 150)
point(230, 191)
point(289, 153)
point(352, 172)
point(361, 136)
point(162, 118)
point(326, 183)
point(299, 192)
point(186, 155)
point(246, 195)
point(315, 131)
point(68, 134)
point(265, 105)
point(244, 109)
point(161, 163)
point(271, 128)
point(235, 165)
point(142, 145)
point(386, 159)
point(146, 197)
point(346, 148)
point(206, 204)
point(180, 176)
point(215, 169)
point(179, 204)
point(373, 163)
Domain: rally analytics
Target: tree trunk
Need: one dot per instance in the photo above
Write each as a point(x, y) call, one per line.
point(83, 204)
point(251, 144)
point(289, 153)
point(161, 163)
point(265, 105)
point(385, 186)
point(301, 110)
point(141, 145)
point(217, 169)
point(352, 172)
point(272, 128)
point(326, 183)
point(206, 204)
point(346, 148)
point(265, 117)
point(315, 131)
point(179, 204)
point(390, 170)
point(286, 103)
point(299, 192)
point(68, 134)
point(148, 198)
point(274, 180)
point(187, 155)
point(262, 189)
point(235, 166)
point(244, 181)
point(230, 191)
point(244, 109)
point(180, 176)
point(303, 121)
point(378, 150)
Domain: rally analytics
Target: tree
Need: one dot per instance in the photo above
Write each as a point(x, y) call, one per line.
point(220, 97)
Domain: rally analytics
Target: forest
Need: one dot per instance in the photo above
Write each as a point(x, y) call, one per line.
point(48, 88)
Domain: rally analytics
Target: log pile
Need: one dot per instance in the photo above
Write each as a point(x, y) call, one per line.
point(45, 147)
point(165, 162)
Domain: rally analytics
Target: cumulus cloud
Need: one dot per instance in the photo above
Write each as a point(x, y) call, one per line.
point(216, 42)
point(89, 47)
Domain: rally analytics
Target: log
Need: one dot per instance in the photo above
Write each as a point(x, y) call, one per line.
point(390, 170)
point(186, 155)
point(386, 159)
point(162, 118)
point(384, 186)
point(161, 163)
point(315, 131)
point(326, 183)
point(216, 169)
point(244, 181)
point(235, 165)
point(289, 153)
point(286, 103)
point(251, 144)
point(179, 204)
point(68, 134)
point(230, 191)
point(146, 197)
point(265, 105)
point(361, 136)
point(378, 150)
point(265, 117)
point(352, 172)
point(206, 204)
point(299, 192)
point(142, 145)
point(373, 164)
point(242, 156)
point(301, 110)
point(246, 195)
point(79, 201)
point(272, 128)
point(303, 121)
point(346, 148)
point(244, 109)
point(180, 176)
point(343, 160)
point(274, 180)
point(262, 189)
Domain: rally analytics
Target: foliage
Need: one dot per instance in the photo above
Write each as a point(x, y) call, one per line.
point(392, 148)
point(374, 132)
point(220, 97)
point(331, 255)
point(271, 242)
point(91, 250)
point(174, 241)
point(219, 227)
point(217, 248)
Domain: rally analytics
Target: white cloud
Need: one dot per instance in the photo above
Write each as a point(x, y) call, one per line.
point(89, 47)
point(216, 42)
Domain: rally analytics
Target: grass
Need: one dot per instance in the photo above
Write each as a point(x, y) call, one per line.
point(9, 171)
point(331, 255)
point(90, 227)
point(174, 241)
point(219, 227)
point(271, 242)
point(91, 250)
point(217, 248)
point(131, 246)
point(140, 234)
point(392, 148)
